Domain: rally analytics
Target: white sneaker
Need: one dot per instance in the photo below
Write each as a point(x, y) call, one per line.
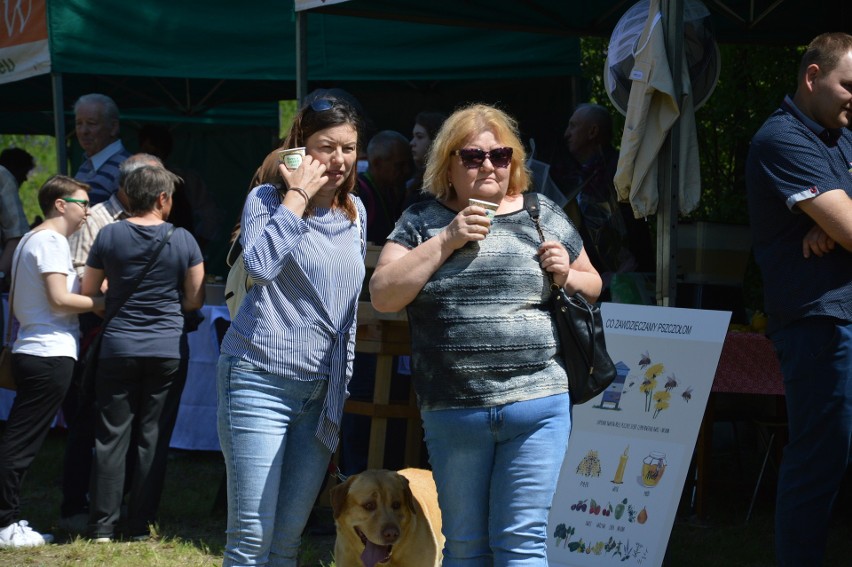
point(20, 534)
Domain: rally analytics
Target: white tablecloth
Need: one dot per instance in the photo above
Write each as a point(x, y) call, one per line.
point(196, 421)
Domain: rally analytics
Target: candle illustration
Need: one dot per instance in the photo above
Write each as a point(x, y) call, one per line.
point(622, 463)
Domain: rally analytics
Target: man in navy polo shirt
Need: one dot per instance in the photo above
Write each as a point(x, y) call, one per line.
point(799, 177)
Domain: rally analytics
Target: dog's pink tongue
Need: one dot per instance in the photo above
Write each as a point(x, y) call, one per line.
point(373, 554)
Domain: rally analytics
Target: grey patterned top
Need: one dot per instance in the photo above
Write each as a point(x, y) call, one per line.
point(481, 332)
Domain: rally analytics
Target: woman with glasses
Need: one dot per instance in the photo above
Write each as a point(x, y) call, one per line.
point(45, 304)
point(492, 391)
point(287, 356)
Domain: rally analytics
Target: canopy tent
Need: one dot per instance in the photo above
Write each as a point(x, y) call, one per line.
point(788, 22)
point(215, 70)
point(193, 62)
point(187, 58)
point(778, 21)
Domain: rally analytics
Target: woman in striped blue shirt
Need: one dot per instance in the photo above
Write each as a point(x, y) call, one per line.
point(287, 356)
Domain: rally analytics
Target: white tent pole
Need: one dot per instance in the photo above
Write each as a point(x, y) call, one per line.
point(669, 164)
point(59, 123)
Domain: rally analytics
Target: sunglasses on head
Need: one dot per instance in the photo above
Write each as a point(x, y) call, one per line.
point(473, 158)
point(322, 104)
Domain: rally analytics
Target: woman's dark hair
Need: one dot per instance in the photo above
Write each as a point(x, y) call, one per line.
point(320, 114)
point(431, 121)
point(57, 187)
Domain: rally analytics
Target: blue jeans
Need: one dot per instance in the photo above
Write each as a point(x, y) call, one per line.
point(274, 461)
point(496, 470)
point(816, 360)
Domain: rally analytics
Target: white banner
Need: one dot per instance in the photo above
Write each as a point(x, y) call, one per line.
point(24, 50)
point(308, 4)
point(631, 447)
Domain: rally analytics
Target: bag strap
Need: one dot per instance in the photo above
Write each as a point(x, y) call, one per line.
point(156, 252)
point(234, 252)
point(9, 322)
point(531, 205)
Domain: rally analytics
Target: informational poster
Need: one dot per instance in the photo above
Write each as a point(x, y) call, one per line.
point(630, 448)
point(23, 40)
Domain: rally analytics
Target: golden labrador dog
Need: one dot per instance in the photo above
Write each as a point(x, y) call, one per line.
point(387, 518)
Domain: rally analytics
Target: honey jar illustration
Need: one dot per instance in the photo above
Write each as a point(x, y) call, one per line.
point(653, 467)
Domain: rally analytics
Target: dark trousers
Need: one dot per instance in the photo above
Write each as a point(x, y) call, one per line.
point(80, 415)
point(816, 360)
point(42, 383)
point(140, 394)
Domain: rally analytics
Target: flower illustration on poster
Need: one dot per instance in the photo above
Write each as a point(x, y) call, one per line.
point(658, 391)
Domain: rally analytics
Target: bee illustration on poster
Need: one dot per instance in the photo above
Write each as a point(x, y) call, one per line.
point(658, 388)
point(630, 449)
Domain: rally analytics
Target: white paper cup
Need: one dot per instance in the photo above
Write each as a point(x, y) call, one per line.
point(490, 208)
point(291, 158)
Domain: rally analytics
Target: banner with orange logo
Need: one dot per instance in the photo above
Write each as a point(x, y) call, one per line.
point(23, 40)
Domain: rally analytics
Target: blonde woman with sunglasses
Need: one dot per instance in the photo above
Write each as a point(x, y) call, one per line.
point(469, 268)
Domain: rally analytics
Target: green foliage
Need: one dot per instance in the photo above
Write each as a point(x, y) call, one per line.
point(752, 82)
point(592, 61)
point(286, 112)
point(43, 149)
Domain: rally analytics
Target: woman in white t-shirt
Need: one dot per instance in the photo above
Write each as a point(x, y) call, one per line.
point(45, 303)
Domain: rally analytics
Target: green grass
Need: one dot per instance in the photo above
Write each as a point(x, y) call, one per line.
point(191, 529)
point(190, 532)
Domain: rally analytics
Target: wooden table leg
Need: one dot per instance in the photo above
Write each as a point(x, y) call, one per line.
point(379, 425)
point(704, 447)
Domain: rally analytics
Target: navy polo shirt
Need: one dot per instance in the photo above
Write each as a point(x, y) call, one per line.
point(791, 159)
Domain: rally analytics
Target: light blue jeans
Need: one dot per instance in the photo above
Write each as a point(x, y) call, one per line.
point(496, 469)
point(274, 461)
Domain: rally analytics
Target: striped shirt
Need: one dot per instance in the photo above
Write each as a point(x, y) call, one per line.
point(298, 321)
point(100, 172)
point(481, 332)
point(100, 215)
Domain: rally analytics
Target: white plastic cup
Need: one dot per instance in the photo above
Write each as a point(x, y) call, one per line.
point(291, 158)
point(490, 208)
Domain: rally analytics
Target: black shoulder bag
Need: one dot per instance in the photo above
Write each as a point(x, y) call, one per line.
point(90, 361)
point(580, 332)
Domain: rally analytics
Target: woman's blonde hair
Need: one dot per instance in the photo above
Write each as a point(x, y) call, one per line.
point(461, 127)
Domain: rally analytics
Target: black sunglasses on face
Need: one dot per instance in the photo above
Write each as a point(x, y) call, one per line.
point(473, 158)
